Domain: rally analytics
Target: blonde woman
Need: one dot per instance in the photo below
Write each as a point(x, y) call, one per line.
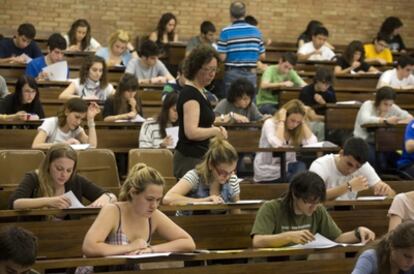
point(213, 180)
point(118, 51)
point(45, 187)
point(127, 227)
point(286, 128)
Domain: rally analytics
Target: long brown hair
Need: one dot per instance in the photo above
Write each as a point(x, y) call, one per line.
point(46, 185)
point(128, 82)
point(220, 152)
point(72, 105)
point(294, 106)
point(87, 64)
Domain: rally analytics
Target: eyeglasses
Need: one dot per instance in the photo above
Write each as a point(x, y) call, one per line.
point(382, 45)
point(311, 201)
point(210, 69)
point(223, 173)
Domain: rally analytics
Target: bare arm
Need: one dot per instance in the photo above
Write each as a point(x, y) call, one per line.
point(282, 239)
point(69, 93)
point(191, 118)
point(39, 141)
point(409, 146)
point(176, 195)
point(153, 36)
point(223, 56)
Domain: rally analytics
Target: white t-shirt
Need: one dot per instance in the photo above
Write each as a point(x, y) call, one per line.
point(402, 206)
point(54, 134)
point(326, 53)
point(85, 91)
point(389, 78)
point(93, 45)
point(326, 168)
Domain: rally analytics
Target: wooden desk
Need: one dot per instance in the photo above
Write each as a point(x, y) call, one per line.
point(387, 137)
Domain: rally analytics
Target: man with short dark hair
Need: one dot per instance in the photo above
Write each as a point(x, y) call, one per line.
point(240, 46)
point(18, 250)
point(316, 50)
point(20, 47)
point(56, 44)
point(206, 36)
point(281, 75)
point(347, 173)
point(148, 69)
point(400, 77)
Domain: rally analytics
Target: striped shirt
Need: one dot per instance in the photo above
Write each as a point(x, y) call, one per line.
point(150, 135)
point(242, 43)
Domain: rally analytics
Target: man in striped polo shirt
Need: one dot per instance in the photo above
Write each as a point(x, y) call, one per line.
point(240, 46)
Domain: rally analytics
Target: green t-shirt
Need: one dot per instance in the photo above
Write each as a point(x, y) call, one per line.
point(272, 218)
point(272, 75)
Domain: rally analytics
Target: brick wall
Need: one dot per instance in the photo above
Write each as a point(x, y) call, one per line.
point(280, 20)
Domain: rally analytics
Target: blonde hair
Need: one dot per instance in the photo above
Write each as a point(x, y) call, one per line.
point(120, 35)
point(220, 152)
point(139, 177)
point(294, 107)
point(46, 185)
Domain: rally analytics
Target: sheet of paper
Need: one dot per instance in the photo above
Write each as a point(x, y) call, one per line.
point(73, 200)
point(141, 256)
point(321, 144)
point(348, 103)
point(372, 198)
point(246, 202)
point(80, 146)
point(173, 132)
point(57, 71)
point(137, 119)
point(26, 57)
point(322, 242)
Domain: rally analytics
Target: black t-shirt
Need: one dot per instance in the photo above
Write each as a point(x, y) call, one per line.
point(344, 64)
point(9, 49)
point(186, 146)
point(109, 109)
point(307, 97)
point(9, 105)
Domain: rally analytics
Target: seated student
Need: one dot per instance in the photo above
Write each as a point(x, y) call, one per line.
point(18, 250)
point(287, 127)
point(165, 32)
point(127, 227)
point(92, 83)
point(316, 50)
point(122, 105)
point(347, 173)
point(79, 37)
point(46, 186)
point(179, 84)
point(117, 53)
point(281, 75)
point(65, 128)
point(3, 87)
point(392, 253)
point(213, 180)
point(391, 27)
point(352, 61)
point(384, 111)
point(378, 52)
point(206, 36)
point(306, 36)
point(238, 106)
point(298, 215)
point(406, 162)
point(56, 44)
point(24, 103)
point(12, 50)
point(153, 131)
point(148, 69)
point(401, 209)
point(401, 77)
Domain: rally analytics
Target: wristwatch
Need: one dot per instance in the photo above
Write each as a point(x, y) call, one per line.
point(349, 186)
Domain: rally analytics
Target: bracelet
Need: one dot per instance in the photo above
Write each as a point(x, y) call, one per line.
point(357, 234)
point(349, 186)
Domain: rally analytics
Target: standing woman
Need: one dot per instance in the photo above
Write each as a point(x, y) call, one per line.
point(393, 253)
point(195, 114)
point(353, 61)
point(79, 37)
point(153, 131)
point(92, 82)
point(165, 32)
point(127, 227)
point(287, 127)
point(23, 102)
point(391, 27)
point(45, 187)
point(122, 105)
point(65, 128)
point(117, 52)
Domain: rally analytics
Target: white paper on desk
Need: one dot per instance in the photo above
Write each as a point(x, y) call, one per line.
point(348, 102)
point(321, 144)
point(27, 58)
point(80, 146)
point(372, 198)
point(246, 202)
point(142, 256)
point(57, 71)
point(173, 132)
point(137, 119)
point(322, 242)
point(73, 200)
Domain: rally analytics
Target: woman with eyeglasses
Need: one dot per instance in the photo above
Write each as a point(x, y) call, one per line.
point(213, 180)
